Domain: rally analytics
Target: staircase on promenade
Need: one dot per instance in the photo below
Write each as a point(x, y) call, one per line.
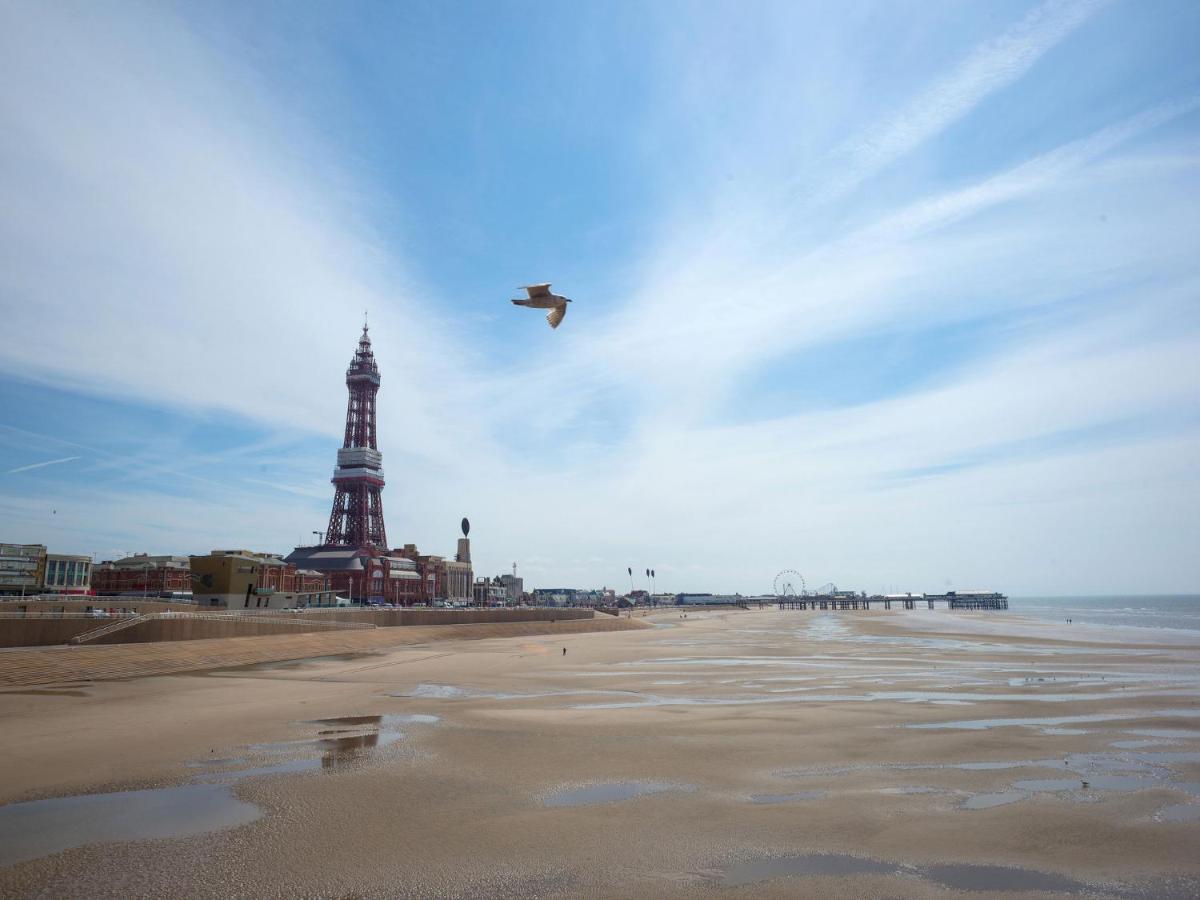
point(107, 628)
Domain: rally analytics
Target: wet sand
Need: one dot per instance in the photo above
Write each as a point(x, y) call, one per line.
point(761, 753)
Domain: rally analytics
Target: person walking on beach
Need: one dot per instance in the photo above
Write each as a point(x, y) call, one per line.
point(564, 651)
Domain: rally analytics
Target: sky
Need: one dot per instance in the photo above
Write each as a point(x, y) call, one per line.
point(904, 296)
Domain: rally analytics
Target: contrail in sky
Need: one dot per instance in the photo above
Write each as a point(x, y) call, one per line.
point(989, 68)
point(52, 462)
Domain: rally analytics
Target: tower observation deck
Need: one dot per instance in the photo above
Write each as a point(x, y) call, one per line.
point(357, 516)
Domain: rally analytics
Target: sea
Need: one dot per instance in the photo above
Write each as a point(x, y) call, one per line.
point(1177, 611)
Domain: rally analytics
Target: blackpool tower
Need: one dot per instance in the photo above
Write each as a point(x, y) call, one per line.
point(357, 516)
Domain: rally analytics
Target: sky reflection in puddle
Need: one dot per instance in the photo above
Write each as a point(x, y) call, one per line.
point(767, 799)
point(1179, 812)
point(611, 792)
point(426, 690)
point(349, 742)
point(1092, 775)
point(960, 877)
point(982, 724)
point(43, 827)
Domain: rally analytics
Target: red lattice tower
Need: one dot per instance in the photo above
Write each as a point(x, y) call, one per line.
point(357, 517)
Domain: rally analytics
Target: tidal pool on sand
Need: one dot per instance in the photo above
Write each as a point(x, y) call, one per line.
point(956, 877)
point(43, 827)
point(611, 792)
point(786, 798)
point(807, 864)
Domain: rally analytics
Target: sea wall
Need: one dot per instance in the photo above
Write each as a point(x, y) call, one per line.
point(41, 632)
point(46, 630)
point(89, 662)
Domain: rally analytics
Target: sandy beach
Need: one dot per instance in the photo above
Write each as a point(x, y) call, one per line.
point(731, 753)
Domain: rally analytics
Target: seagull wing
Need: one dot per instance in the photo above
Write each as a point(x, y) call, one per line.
point(538, 290)
point(556, 315)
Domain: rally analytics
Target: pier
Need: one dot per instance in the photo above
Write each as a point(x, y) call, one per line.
point(967, 600)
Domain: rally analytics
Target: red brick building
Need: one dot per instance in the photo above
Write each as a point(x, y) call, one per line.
point(143, 574)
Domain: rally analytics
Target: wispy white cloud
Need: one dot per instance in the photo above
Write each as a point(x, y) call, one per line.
point(39, 465)
point(251, 241)
point(314, 492)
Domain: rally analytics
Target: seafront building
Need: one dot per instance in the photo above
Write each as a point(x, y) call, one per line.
point(490, 592)
point(458, 580)
point(22, 568)
point(143, 574)
point(243, 579)
point(514, 587)
point(67, 574)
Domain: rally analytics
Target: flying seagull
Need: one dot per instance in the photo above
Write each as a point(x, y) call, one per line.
point(541, 298)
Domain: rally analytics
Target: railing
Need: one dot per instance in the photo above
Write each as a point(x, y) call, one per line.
point(55, 614)
point(107, 628)
point(245, 617)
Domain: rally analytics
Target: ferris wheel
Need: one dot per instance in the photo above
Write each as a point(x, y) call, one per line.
point(789, 583)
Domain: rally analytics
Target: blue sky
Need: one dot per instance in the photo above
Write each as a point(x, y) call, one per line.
point(900, 295)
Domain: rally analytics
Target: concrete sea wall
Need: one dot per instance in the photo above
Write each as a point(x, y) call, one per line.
point(88, 662)
point(45, 630)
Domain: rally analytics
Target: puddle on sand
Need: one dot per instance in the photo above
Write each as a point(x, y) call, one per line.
point(808, 864)
point(786, 798)
point(987, 801)
point(287, 767)
point(956, 877)
point(1164, 732)
point(801, 695)
point(1001, 878)
point(1093, 782)
point(1080, 787)
point(349, 744)
point(348, 720)
point(214, 761)
point(1141, 745)
point(1179, 812)
point(425, 690)
point(911, 790)
point(611, 792)
point(984, 724)
point(43, 827)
